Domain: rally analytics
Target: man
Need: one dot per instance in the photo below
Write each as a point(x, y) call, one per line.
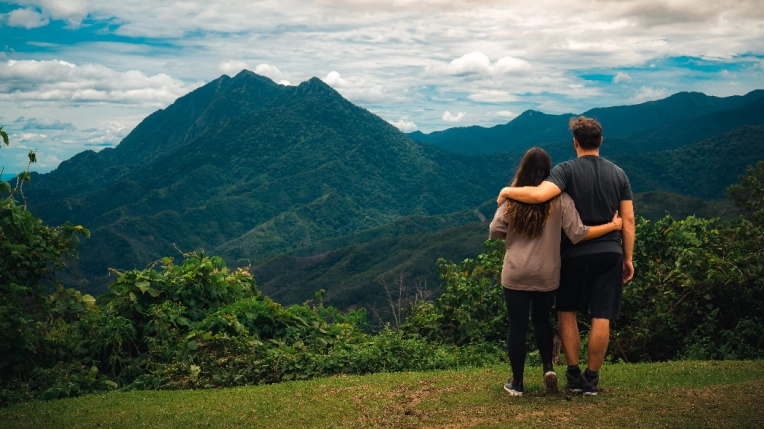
point(592, 272)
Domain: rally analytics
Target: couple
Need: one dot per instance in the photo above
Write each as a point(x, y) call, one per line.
point(585, 270)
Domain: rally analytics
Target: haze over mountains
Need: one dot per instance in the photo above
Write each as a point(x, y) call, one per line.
point(319, 193)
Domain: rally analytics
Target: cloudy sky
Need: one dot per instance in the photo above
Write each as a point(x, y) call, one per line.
point(80, 74)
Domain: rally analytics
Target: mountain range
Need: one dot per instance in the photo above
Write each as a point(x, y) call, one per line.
point(683, 118)
point(317, 193)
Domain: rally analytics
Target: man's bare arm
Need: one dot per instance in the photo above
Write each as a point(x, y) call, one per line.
point(627, 214)
point(530, 194)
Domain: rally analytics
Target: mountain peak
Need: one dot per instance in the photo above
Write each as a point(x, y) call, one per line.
point(250, 76)
point(315, 85)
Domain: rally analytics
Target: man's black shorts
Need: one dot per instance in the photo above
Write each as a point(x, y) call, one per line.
point(592, 281)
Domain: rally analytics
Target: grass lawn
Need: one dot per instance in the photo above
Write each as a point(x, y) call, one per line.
point(675, 394)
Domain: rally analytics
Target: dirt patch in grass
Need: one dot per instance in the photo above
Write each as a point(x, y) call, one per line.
point(426, 405)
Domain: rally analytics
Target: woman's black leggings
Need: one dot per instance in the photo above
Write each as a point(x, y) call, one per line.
point(519, 303)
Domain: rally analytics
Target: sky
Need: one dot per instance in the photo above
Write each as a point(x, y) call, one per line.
point(79, 75)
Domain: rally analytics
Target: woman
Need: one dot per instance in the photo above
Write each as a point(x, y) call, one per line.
point(531, 272)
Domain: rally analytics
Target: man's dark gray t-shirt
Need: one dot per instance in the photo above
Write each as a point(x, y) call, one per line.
point(597, 187)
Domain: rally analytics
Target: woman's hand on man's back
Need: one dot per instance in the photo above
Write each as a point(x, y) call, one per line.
point(617, 222)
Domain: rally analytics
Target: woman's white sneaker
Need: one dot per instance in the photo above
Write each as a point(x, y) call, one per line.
point(514, 389)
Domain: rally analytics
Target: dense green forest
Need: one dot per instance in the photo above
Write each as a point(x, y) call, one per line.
point(195, 323)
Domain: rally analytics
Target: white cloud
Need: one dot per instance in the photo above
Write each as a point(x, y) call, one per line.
point(479, 63)
point(28, 137)
point(269, 71)
point(357, 90)
point(621, 77)
point(506, 114)
point(492, 96)
point(511, 65)
point(42, 124)
point(449, 117)
point(26, 18)
point(50, 161)
point(404, 125)
point(55, 140)
point(334, 80)
point(647, 93)
point(71, 11)
point(475, 62)
point(63, 83)
point(232, 67)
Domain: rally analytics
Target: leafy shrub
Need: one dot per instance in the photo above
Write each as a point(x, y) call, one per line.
point(699, 293)
point(471, 309)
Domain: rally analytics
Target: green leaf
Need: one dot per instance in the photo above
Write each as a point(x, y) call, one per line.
point(49, 394)
point(143, 285)
point(192, 345)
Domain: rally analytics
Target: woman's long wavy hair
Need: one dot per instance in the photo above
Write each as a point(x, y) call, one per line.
point(528, 220)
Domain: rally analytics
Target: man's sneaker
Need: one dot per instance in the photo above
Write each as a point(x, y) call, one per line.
point(589, 385)
point(550, 382)
point(574, 382)
point(514, 389)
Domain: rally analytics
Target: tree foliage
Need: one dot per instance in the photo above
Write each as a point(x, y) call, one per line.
point(30, 255)
point(471, 308)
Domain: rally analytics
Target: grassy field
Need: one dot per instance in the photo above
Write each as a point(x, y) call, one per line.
point(676, 394)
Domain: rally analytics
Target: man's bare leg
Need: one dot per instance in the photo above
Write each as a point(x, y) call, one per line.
point(597, 345)
point(571, 340)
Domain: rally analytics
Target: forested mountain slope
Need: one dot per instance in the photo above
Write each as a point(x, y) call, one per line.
point(249, 168)
point(703, 170)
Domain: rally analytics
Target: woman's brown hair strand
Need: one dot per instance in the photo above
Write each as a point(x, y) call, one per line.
point(528, 220)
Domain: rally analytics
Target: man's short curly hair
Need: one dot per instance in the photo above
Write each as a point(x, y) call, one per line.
point(587, 131)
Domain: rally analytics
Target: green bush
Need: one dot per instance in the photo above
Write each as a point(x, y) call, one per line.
point(471, 309)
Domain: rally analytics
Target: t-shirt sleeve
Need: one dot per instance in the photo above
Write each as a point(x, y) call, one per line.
point(499, 225)
point(571, 222)
point(625, 187)
point(560, 175)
